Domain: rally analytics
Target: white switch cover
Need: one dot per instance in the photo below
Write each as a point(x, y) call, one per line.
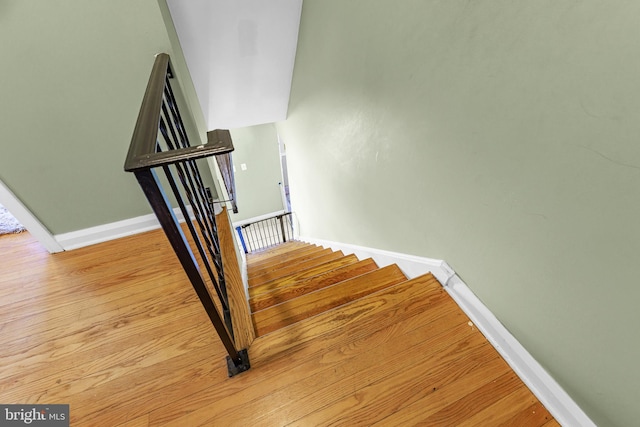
point(243, 166)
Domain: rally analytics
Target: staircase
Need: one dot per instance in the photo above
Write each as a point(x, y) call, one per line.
point(342, 341)
point(295, 280)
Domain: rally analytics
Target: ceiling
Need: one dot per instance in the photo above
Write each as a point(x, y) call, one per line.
point(240, 54)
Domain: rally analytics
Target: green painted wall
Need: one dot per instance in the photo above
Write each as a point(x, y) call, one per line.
point(73, 77)
point(256, 187)
point(501, 136)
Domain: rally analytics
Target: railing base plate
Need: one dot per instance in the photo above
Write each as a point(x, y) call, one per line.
point(243, 366)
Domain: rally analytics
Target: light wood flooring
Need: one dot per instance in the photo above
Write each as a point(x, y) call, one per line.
point(116, 331)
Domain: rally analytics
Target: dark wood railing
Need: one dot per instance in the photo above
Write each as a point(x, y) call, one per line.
point(160, 142)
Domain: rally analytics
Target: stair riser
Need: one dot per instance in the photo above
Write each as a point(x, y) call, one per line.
point(280, 295)
point(300, 252)
point(279, 253)
point(325, 299)
point(294, 267)
point(278, 264)
point(302, 275)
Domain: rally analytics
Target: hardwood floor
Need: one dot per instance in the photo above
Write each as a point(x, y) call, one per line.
point(116, 331)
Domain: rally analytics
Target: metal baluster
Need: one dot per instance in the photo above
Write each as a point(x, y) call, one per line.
point(187, 185)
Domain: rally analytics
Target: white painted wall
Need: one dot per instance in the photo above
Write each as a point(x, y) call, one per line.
point(240, 54)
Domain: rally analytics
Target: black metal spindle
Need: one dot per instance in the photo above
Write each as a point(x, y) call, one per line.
point(173, 106)
point(151, 187)
point(267, 232)
point(203, 212)
point(197, 242)
point(204, 219)
point(186, 181)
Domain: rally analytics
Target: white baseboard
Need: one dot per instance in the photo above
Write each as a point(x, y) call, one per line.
point(541, 384)
point(102, 233)
point(552, 396)
point(411, 265)
point(115, 230)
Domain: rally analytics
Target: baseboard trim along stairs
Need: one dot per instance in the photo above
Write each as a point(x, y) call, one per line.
point(544, 387)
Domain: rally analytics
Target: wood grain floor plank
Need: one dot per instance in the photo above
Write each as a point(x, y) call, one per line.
point(371, 399)
point(60, 274)
point(472, 403)
point(352, 320)
point(41, 347)
point(515, 412)
point(117, 401)
point(325, 363)
point(453, 389)
point(85, 293)
point(142, 421)
point(88, 360)
point(54, 320)
point(314, 357)
point(313, 399)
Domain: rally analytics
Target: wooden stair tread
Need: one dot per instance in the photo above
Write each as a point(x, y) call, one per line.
point(282, 294)
point(336, 358)
point(296, 252)
point(281, 262)
point(292, 267)
point(273, 252)
point(319, 301)
point(333, 357)
point(370, 313)
point(302, 275)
